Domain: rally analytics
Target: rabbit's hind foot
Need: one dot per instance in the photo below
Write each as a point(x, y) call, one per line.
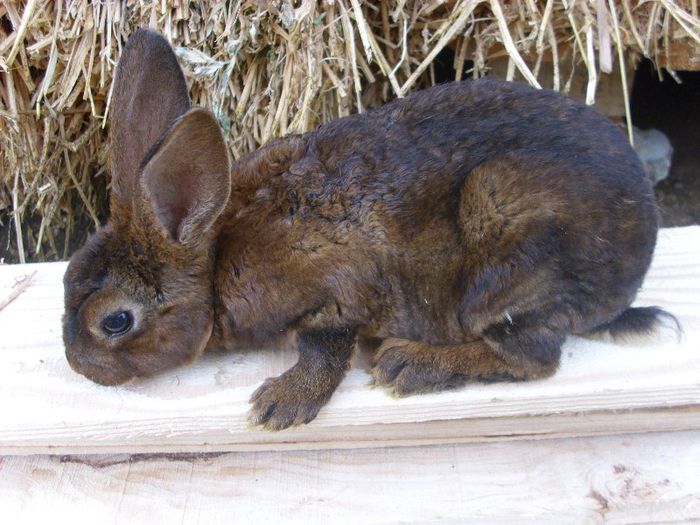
point(412, 367)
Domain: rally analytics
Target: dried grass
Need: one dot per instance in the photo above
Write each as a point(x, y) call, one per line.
point(268, 68)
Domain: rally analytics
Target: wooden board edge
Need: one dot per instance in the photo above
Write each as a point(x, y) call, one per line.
point(404, 434)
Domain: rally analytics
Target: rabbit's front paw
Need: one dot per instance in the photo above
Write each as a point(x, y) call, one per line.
point(291, 399)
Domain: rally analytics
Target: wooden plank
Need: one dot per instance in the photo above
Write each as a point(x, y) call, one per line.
point(626, 479)
point(683, 55)
point(609, 98)
point(601, 388)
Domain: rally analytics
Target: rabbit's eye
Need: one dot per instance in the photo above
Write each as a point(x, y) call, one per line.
point(117, 323)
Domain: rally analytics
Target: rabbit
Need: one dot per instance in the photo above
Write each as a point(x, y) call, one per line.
point(463, 232)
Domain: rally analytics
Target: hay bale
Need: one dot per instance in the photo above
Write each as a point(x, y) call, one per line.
point(267, 69)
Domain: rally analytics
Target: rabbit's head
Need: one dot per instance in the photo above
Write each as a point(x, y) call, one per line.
point(138, 295)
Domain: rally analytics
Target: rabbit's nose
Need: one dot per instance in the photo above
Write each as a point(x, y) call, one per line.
point(82, 364)
point(74, 359)
point(101, 374)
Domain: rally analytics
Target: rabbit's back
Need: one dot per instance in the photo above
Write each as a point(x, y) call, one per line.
point(411, 157)
point(454, 127)
point(405, 213)
point(426, 180)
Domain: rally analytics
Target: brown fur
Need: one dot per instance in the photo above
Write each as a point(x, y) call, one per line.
point(472, 227)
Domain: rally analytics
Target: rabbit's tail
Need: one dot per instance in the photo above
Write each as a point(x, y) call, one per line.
point(637, 323)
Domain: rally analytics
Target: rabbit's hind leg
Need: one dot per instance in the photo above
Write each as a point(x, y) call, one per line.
point(411, 367)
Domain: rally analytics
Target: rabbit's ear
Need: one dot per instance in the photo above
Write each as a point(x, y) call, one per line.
point(149, 93)
point(186, 180)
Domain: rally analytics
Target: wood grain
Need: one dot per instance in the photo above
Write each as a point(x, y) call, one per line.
point(649, 478)
point(601, 388)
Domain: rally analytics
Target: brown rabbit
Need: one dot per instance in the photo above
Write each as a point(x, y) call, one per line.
point(466, 229)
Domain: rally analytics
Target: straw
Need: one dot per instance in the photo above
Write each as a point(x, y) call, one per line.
point(271, 68)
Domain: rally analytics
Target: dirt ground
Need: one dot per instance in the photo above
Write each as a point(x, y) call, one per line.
point(679, 196)
point(674, 109)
